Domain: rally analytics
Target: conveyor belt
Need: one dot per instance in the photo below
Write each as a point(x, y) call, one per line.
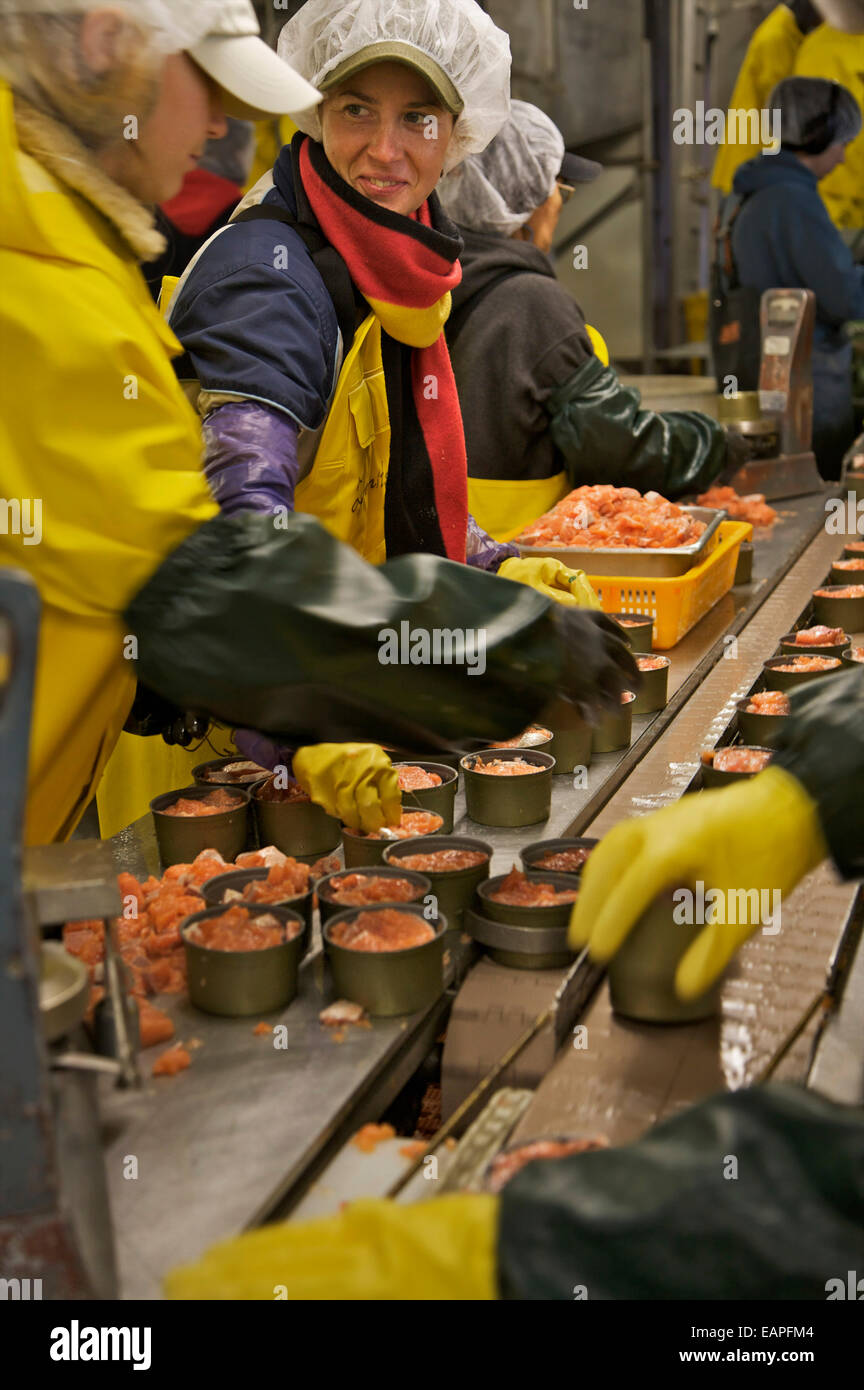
point(632, 1075)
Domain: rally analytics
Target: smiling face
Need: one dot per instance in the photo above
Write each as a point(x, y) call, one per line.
point(386, 134)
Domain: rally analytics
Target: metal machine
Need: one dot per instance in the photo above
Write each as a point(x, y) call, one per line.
point(55, 1231)
point(776, 424)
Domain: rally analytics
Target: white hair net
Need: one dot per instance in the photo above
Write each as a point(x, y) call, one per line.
point(455, 34)
point(814, 113)
point(498, 189)
point(171, 25)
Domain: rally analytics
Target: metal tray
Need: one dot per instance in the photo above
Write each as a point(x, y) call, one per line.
point(644, 564)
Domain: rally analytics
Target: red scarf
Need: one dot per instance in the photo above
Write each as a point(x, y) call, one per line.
point(406, 270)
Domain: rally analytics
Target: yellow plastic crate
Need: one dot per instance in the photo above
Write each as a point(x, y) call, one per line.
point(677, 604)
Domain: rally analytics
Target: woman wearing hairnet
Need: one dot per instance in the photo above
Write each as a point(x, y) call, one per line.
point(782, 236)
point(543, 410)
point(315, 330)
point(102, 111)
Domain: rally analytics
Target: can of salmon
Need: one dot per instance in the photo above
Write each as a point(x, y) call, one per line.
point(387, 979)
point(508, 786)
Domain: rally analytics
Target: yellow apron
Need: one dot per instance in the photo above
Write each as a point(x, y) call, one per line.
point(345, 488)
point(504, 507)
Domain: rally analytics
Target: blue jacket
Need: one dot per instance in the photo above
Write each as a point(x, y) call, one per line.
point(784, 237)
point(256, 318)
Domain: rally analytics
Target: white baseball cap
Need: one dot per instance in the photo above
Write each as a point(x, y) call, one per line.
point(223, 38)
point(256, 82)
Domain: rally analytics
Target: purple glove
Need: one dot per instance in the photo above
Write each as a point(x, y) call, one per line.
point(250, 457)
point(261, 750)
point(482, 552)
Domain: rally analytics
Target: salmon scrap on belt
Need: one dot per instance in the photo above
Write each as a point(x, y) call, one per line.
point(750, 507)
point(148, 932)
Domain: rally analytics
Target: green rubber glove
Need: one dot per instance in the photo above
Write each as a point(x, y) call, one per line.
point(442, 1249)
point(356, 782)
point(761, 833)
point(552, 579)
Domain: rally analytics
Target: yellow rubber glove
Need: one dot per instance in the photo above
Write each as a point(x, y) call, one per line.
point(552, 579)
point(441, 1249)
point(761, 833)
point(356, 782)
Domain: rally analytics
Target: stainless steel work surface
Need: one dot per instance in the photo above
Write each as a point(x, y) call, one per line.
point(217, 1146)
point(75, 877)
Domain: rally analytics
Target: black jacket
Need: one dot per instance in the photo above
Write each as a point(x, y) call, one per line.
point(536, 401)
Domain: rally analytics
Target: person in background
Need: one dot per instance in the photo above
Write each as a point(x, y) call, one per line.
point(543, 410)
point(782, 236)
point(771, 55)
point(839, 57)
point(274, 628)
point(655, 1219)
point(209, 195)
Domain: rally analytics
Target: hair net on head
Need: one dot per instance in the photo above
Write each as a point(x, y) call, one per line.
point(171, 25)
point(456, 34)
point(498, 189)
point(814, 113)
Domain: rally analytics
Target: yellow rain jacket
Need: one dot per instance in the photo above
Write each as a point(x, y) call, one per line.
point(839, 57)
point(94, 427)
point(769, 58)
point(270, 136)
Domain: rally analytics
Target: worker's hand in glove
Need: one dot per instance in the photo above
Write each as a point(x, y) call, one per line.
point(444, 1249)
point(598, 664)
point(552, 579)
point(356, 782)
point(762, 834)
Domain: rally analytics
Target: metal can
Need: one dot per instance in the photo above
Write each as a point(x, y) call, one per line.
point(181, 838)
point(509, 801)
point(642, 972)
point(236, 984)
point(452, 889)
point(387, 983)
point(441, 799)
